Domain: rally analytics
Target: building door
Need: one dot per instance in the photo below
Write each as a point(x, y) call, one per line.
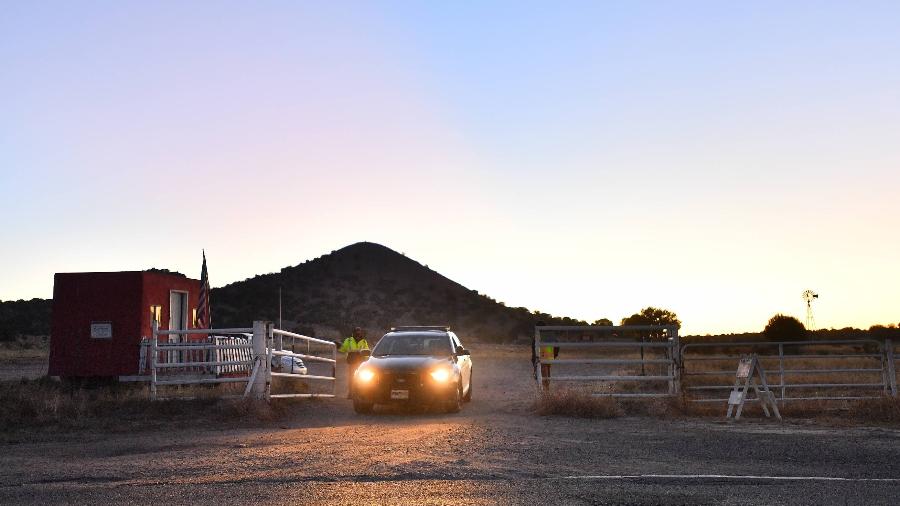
point(178, 314)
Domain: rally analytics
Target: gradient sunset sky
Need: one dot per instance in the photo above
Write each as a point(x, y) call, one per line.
point(585, 159)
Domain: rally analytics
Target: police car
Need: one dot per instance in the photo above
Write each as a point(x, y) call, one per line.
point(415, 365)
point(289, 365)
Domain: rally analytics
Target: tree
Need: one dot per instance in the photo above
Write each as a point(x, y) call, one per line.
point(884, 331)
point(784, 328)
point(604, 322)
point(652, 316)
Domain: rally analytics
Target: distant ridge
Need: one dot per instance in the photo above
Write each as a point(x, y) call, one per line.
point(372, 286)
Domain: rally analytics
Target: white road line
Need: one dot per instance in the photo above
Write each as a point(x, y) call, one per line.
point(723, 477)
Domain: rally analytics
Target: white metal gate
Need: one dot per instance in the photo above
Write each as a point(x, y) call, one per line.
point(615, 356)
point(838, 370)
point(276, 348)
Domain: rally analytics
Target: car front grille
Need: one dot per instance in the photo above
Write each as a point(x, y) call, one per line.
point(403, 380)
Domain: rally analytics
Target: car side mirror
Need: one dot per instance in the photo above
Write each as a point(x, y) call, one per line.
point(462, 351)
point(366, 353)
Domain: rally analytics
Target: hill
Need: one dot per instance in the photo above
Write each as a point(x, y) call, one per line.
point(20, 318)
point(371, 286)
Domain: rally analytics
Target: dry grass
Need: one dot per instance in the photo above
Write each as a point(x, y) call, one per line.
point(884, 410)
point(576, 403)
point(881, 411)
point(580, 403)
point(25, 348)
point(51, 405)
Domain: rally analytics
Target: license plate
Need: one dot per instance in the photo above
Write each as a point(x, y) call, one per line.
point(399, 395)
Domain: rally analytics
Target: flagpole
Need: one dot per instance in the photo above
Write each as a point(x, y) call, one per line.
point(203, 313)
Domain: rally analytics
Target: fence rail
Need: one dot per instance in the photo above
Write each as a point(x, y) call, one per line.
point(820, 370)
point(889, 356)
point(850, 373)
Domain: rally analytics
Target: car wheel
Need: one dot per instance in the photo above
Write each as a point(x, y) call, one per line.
point(455, 404)
point(468, 396)
point(362, 407)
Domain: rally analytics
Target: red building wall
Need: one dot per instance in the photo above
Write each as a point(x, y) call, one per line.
point(121, 298)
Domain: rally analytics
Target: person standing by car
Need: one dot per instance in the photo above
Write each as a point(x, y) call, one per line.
point(353, 347)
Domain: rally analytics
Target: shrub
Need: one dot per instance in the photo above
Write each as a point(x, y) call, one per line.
point(784, 328)
point(576, 403)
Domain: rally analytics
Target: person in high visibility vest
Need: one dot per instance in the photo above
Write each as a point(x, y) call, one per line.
point(546, 353)
point(353, 346)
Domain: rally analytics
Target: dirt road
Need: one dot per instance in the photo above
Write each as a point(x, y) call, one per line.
point(494, 451)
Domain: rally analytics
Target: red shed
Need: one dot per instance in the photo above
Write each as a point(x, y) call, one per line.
point(99, 319)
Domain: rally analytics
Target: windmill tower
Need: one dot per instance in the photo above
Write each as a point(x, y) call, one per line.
point(808, 296)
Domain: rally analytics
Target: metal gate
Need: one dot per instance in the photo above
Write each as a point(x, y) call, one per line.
point(276, 348)
point(797, 370)
point(625, 361)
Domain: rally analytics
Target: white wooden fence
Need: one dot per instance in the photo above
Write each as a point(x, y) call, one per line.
point(236, 355)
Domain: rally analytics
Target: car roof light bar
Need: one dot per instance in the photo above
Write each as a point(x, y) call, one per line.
point(441, 328)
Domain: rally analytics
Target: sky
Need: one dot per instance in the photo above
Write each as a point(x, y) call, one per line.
point(584, 159)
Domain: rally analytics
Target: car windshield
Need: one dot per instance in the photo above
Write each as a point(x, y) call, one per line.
point(412, 344)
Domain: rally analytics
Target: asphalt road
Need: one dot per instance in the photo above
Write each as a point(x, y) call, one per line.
point(494, 452)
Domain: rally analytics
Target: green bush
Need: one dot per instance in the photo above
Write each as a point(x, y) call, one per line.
point(784, 328)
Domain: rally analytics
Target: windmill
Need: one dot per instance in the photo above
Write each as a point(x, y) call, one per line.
point(808, 296)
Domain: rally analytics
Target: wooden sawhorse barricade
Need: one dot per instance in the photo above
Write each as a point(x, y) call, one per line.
point(747, 368)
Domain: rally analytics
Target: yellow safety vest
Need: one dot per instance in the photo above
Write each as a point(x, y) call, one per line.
point(351, 344)
point(547, 352)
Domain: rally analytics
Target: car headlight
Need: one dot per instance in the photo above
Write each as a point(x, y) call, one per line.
point(440, 375)
point(365, 375)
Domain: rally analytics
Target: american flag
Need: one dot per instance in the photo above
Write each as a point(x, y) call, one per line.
point(203, 317)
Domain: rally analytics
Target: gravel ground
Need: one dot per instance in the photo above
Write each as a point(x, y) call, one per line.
point(494, 451)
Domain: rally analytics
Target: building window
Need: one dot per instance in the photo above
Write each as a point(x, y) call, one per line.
point(155, 314)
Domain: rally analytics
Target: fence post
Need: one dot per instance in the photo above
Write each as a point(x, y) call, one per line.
point(676, 362)
point(258, 390)
point(781, 371)
point(270, 338)
point(891, 370)
point(537, 364)
point(333, 367)
point(153, 353)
